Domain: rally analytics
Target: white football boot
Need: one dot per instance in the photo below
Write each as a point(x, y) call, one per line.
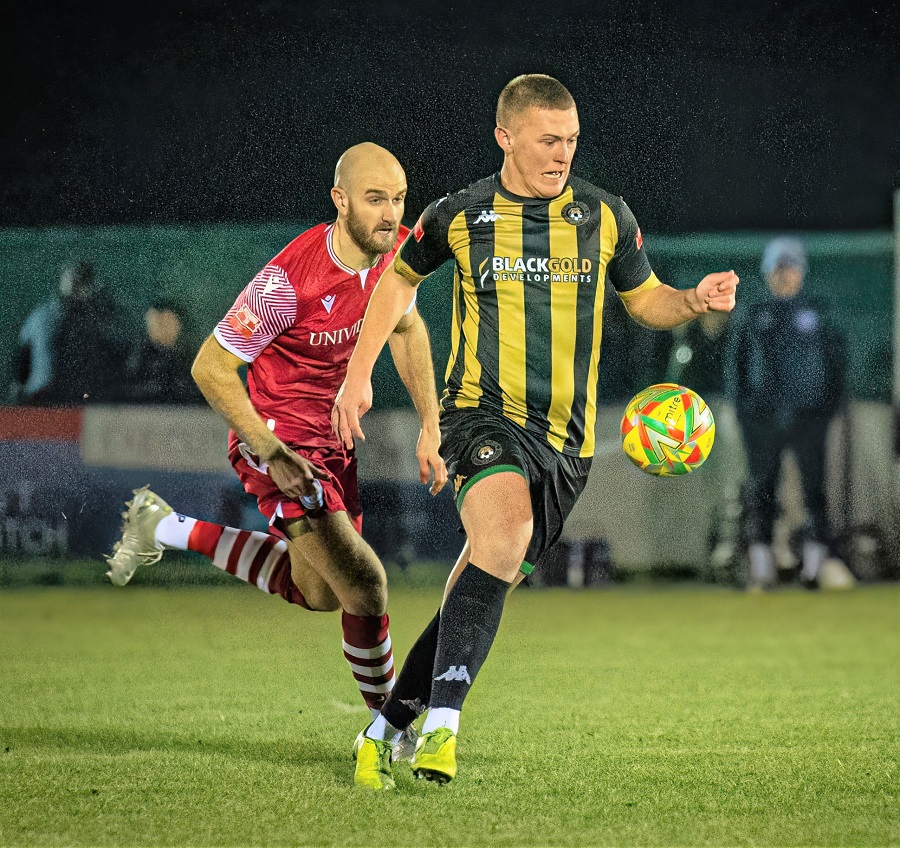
point(405, 744)
point(138, 545)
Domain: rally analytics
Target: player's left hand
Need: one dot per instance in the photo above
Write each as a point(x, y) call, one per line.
point(430, 460)
point(351, 403)
point(716, 292)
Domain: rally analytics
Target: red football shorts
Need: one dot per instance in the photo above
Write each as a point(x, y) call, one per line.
point(341, 490)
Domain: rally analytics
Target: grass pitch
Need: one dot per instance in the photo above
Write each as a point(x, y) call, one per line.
point(213, 716)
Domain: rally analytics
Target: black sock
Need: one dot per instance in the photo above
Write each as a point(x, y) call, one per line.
point(412, 688)
point(469, 624)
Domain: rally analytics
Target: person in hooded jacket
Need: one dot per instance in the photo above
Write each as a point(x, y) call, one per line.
point(785, 375)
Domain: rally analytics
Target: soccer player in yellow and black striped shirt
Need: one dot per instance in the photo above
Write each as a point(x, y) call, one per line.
point(533, 247)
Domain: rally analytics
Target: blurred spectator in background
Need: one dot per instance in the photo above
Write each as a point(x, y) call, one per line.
point(785, 376)
point(71, 349)
point(160, 369)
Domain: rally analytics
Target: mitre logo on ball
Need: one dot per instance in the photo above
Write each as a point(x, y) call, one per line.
point(667, 430)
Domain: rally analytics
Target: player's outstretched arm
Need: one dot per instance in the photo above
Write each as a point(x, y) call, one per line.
point(662, 307)
point(215, 370)
point(411, 350)
point(390, 299)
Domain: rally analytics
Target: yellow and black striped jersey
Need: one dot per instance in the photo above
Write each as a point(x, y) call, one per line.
point(528, 299)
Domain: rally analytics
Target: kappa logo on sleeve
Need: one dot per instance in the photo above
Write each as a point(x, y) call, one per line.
point(639, 239)
point(244, 322)
point(488, 216)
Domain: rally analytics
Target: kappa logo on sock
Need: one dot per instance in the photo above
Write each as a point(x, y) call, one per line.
point(458, 675)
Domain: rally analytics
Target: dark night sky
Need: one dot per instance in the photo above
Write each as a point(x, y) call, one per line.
point(707, 115)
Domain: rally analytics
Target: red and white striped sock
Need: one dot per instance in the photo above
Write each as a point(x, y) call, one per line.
point(260, 559)
point(367, 647)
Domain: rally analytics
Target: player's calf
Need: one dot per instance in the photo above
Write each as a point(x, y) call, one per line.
point(260, 559)
point(368, 651)
point(151, 527)
point(331, 546)
point(344, 560)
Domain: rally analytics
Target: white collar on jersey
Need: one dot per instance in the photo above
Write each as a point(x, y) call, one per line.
point(329, 243)
point(329, 235)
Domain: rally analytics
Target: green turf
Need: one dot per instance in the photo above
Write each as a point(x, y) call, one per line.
point(209, 716)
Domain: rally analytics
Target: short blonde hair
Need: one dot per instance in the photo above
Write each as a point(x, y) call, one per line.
point(531, 91)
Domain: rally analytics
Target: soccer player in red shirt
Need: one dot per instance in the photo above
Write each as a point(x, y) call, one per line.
point(295, 326)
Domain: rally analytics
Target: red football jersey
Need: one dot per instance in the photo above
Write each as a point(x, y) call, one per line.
point(296, 324)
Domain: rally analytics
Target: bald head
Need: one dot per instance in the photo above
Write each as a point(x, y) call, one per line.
point(369, 193)
point(367, 162)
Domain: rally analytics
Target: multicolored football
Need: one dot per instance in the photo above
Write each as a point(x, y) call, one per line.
point(667, 430)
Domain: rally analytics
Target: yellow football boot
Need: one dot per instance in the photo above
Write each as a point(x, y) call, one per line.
point(373, 763)
point(435, 756)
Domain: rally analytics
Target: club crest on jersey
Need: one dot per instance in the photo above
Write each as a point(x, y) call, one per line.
point(488, 452)
point(244, 322)
point(328, 302)
point(576, 213)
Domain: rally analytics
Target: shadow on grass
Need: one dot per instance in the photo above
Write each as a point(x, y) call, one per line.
point(288, 751)
point(300, 752)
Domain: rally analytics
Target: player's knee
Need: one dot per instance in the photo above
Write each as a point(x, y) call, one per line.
point(369, 589)
point(502, 551)
point(360, 602)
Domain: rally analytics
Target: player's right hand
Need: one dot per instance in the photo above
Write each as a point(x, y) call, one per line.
point(351, 403)
point(294, 474)
point(716, 292)
point(431, 466)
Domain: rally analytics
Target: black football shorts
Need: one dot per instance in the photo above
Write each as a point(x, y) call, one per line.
point(476, 443)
